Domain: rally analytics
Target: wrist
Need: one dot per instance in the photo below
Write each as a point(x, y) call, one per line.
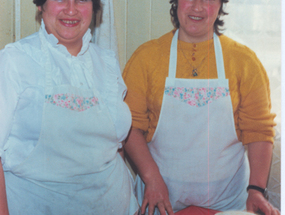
point(150, 173)
point(257, 189)
point(151, 177)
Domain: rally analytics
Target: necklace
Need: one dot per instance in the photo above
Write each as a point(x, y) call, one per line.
point(194, 70)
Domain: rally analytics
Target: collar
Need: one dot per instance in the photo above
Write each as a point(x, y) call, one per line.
point(53, 41)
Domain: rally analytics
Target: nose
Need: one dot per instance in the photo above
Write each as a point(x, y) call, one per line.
point(70, 8)
point(197, 5)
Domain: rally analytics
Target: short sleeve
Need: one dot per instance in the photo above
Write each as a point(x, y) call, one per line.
point(9, 91)
point(113, 90)
point(124, 116)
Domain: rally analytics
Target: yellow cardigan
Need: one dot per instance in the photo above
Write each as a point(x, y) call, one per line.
point(146, 71)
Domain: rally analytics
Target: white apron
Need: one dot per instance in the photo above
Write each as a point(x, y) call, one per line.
point(75, 167)
point(195, 144)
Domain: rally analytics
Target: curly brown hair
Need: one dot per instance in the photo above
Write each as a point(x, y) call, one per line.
point(97, 6)
point(217, 25)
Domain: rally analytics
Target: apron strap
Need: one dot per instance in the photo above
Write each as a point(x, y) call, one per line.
point(48, 78)
point(173, 57)
point(219, 57)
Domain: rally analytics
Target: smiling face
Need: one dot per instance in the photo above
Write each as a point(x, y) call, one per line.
point(67, 20)
point(197, 18)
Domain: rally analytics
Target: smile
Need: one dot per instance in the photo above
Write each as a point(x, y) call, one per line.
point(195, 17)
point(70, 22)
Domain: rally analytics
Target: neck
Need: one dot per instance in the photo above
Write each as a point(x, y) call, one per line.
point(193, 38)
point(73, 49)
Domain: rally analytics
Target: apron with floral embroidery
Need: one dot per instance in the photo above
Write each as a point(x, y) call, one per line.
point(195, 144)
point(75, 167)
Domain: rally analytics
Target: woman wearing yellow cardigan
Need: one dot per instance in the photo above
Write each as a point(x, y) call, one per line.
point(197, 97)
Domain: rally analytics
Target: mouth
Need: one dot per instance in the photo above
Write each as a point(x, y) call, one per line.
point(195, 18)
point(70, 22)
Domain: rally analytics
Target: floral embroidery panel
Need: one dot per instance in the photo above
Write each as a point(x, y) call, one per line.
point(72, 102)
point(197, 96)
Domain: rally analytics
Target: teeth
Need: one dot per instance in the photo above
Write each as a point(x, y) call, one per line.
point(195, 18)
point(69, 22)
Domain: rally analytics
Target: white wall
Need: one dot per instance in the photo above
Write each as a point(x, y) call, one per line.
point(138, 21)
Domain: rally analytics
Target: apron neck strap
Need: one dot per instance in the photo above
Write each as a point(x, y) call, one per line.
point(219, 57)
point(48, 78)
point(173, 57)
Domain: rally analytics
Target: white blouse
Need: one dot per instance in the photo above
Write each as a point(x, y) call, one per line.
point(22, 84)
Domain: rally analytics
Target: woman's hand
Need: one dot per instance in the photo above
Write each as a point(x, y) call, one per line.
point(259, 155)
point(257, 203)
point(156, 192)
point(156, 195)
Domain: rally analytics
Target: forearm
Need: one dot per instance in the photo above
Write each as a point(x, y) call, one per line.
point(156, 192)
point(3, 197)
point(259, 155)
point(137, 149)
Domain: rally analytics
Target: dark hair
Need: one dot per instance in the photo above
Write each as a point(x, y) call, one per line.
point(97, 6)
point(217, 25)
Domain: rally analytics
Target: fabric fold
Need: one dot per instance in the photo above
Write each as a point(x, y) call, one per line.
point(105, 35)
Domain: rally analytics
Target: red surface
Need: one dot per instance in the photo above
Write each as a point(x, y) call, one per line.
point(193, 210)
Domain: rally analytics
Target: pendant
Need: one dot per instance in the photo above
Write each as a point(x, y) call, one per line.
point(194, 72)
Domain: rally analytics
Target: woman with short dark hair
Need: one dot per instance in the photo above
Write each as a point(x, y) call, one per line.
point(197, 97)
point(217, 24)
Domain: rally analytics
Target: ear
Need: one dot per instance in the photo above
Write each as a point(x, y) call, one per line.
point(40, 8)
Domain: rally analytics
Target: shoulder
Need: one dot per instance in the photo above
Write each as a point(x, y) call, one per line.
point(106, 67)
point(106, 58)
point(21, 61)
point(152, 52)
point(156, 46)
point(236, 49)
point(242, 63)
point(159, 43)
point(25, 50)
point(239, 57)
point(108, 72)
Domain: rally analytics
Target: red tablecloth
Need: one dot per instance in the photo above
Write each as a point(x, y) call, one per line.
point(193, 210)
